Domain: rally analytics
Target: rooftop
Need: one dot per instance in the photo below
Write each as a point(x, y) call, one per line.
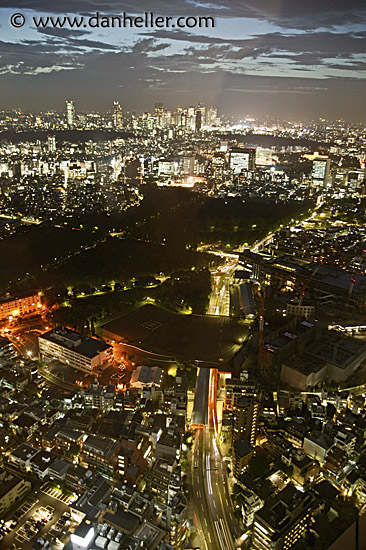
point(242, 447)
point(24, 452)
point(89, 347)
point(154, 330)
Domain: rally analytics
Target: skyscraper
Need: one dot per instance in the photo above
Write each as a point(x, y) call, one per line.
point(320, 171)
point(158, 113)
point(211, 116)
point(117, 115)
point(201, 107)
point(246, 417)
point(198, 121)
point(70, 113)
point(191, 117)
point(242, 160)
point(51, 143)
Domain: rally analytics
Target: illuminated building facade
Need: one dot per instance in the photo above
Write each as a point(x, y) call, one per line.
point(100, 453)
point(70, 113)
point(320, 171)
point(242, 160)
point(15, 307)
point(242, 454)
point(283, 520)
point(117, 115)
point(12, 489)
point(73, 349)
point(246, 416)
point(51, 143)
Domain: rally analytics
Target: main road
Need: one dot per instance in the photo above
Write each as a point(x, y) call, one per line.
point(213, 511)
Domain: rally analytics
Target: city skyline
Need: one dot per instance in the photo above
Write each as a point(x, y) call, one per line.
point(286, 59)
point(182, 275)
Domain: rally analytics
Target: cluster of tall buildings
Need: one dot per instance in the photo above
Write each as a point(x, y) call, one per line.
point(192, 119)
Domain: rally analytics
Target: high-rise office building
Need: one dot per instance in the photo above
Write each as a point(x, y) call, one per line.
point(321, 170)
point(242, 160)
point(211, 116)
point(117, 115)
point(218, 166)
point(158, 113)
point(246, 418)
point(198, 121)
point(191, 119)
point(51, 143)
point(70, 113)
point(177, 117)
point(201, 107)
point(166, 119)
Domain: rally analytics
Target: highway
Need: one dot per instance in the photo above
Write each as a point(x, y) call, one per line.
point(213, 512)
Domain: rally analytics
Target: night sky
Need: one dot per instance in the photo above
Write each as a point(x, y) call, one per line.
point(295, 59)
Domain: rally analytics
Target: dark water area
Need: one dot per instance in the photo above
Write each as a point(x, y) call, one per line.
point(63, 135)
point(276, 141)
point(104, 135)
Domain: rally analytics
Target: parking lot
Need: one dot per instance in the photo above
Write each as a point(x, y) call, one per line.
point(56, 493)
point(41, 517)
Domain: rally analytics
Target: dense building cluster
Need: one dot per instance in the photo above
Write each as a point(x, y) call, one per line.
point(132, 426)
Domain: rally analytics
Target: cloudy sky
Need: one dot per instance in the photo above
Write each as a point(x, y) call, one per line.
point(297, 59)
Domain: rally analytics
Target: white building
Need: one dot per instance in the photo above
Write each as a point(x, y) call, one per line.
point(146, 376)
point(73, 349)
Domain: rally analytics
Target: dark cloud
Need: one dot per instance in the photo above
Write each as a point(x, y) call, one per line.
point(311, 49)
point(75, 63)
point(63, 33)
point(139, 87)
point(67, 38)
point(95, 44)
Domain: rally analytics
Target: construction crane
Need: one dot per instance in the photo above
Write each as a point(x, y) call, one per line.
point(261, 324)
point(304, 287)
point(350, 289)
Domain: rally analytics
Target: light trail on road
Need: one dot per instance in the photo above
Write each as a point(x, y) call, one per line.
point(213, 509)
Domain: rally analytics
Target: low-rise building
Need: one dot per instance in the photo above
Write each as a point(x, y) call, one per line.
point(22, 455)
point(283, 519)
point(40, 463)
point(168, 445)
point(146, 376)
point(14, 307)
point(100, 453)
point(316, 445)
point(73, 349)
point(66, 438)
point(164, 480)
point(99, 397)
point(12, 489)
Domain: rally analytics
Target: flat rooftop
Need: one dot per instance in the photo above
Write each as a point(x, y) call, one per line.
point(89, 347)
point(155, 330)
point(340, 278)
point(333, 348)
